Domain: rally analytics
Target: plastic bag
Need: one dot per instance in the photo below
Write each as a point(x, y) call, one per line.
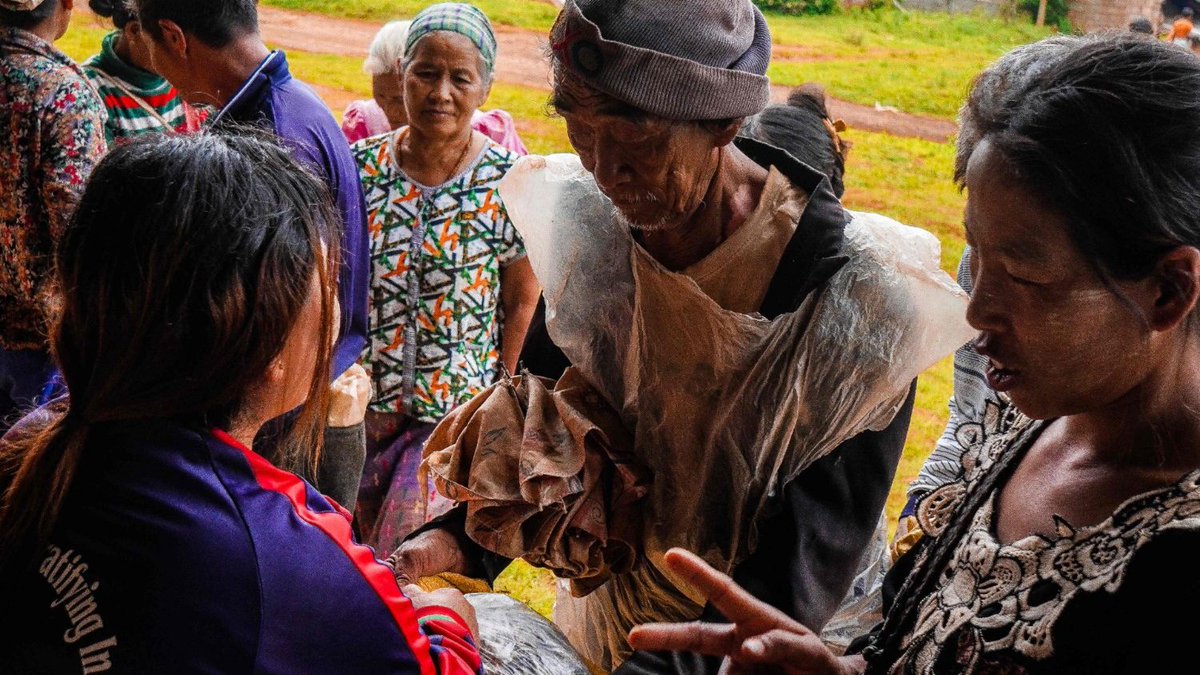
point(515, 640)
point(723, 407)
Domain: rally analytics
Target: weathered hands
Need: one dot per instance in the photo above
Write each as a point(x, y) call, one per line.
point(428, 554)
point(448, 598)
point(761, 639)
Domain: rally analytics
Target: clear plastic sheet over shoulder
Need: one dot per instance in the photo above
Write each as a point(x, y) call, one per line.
point(723, 407)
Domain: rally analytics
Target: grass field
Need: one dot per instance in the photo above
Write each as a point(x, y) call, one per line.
point(917, 62)
point(930, 58)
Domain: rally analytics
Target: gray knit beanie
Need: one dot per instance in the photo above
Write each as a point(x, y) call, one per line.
point(678, 59)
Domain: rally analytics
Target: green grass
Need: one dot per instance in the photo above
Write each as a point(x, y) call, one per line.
point(82, 40)
point(531, 585)
point(909, 83)
point(857, 33)
point(908, 179)
point(918, 62)
point(527, 14)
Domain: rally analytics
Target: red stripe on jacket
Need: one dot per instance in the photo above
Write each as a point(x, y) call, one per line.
point(337, 527)
point(156, 102)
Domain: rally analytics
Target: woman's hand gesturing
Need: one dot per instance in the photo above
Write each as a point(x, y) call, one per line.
point(760, 639)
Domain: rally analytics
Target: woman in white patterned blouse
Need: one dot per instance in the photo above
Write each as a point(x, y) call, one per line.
point(452, 293)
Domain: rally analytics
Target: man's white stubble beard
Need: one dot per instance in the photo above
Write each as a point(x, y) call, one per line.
point(662, 223)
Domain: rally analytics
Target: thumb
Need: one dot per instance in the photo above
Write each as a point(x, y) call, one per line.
point(790, 651)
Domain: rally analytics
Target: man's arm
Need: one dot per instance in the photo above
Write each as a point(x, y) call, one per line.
point(519, 293)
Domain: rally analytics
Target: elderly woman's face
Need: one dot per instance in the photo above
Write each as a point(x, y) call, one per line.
point(1058, 339)
point(444, 84)
point(655, 171)
point(389, 95)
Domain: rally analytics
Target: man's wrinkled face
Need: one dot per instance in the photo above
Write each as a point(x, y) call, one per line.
point(656, 171)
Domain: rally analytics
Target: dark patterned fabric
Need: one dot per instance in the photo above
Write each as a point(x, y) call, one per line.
point(391, 502)
point(436, 254)
point(51, 135)
point(1051, 604)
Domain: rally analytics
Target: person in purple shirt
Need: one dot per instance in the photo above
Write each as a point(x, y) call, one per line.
point(140, 531)
point(212, 52)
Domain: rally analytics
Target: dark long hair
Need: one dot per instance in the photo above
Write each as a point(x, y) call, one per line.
point(804, 128)
point(1102, 129)
point(182, 273)
point(122, 12)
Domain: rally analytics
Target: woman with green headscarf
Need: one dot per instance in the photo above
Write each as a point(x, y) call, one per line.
point(452, 293)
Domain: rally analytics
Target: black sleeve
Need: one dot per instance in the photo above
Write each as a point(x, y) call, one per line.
point(539, 354)
point(809, 549)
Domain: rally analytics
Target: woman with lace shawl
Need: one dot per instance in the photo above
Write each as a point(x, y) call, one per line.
point(1077, 520)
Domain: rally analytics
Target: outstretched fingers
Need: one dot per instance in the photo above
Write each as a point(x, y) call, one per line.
point(791, 653)
point(714, 639)
point(734, 602)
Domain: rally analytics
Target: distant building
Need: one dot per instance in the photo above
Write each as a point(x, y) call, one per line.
point(1092, 15)
point(1085, 15)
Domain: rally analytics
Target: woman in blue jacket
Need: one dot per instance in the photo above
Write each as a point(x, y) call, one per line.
point(139, 530)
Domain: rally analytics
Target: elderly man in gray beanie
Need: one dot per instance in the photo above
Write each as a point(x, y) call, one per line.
point(653, 94)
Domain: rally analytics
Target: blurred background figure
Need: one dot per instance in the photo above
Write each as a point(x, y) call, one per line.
point(385, 111)
point(1140, 24)
point(138, 100)
point(1182, 30)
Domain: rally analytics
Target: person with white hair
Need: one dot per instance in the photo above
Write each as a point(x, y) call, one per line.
point(384, 112)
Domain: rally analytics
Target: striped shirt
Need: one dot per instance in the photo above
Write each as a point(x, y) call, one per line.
point(138, 102)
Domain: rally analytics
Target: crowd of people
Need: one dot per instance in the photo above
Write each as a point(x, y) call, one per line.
point(264, 380)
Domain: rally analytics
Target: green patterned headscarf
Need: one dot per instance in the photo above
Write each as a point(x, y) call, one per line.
point(455, 17)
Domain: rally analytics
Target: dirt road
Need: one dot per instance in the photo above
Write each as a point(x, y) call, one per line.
point(521, 61)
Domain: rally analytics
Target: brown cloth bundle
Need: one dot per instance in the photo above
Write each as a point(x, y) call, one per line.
point(566, 498)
